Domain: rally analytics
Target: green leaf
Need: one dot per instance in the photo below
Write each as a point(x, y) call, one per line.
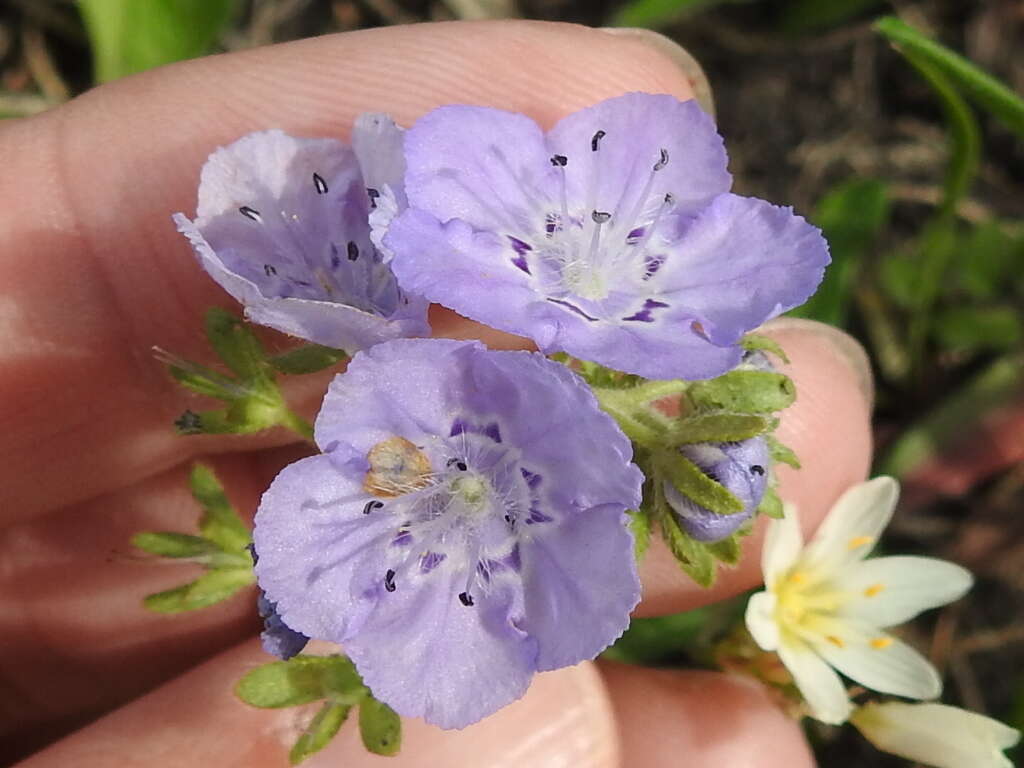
point(716, 428)
point(690, 480)
point(661, 13)
point(728, 550)
point(319, 732)
point(300, 680)
point(307, 359)
point(994, 256)
point(851, 216)
point(986, 91)
point(659, 639)
point(203, 381)
point(804, 16)
point(212, 587)
point(129, 36)
point(380, 727)
point(980, 328)
point(771, 505)
point(220, 522)
point(692, 556)
point(236, 345)
point(745, 392)
point(169, 544)
point(755, 342)
point(640, 527)
point(782, 453)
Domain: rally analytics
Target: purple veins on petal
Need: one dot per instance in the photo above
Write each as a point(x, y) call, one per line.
point(623, 200)
point(441, 601)
point(274, 216)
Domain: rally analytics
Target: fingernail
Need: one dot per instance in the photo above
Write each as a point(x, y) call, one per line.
point(679, 55)
point(847, 348)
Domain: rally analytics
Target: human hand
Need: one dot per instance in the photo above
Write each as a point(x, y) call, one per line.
point(96, 275)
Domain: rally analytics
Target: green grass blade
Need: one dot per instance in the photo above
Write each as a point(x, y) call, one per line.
point(983, 89)
point(129, 36)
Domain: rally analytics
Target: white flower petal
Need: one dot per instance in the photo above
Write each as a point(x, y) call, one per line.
point(854, 524)
point(936, 735)
point(891, 590)
point(761, 622)
point(782, 545)
point(880, 662)
point(820, 686)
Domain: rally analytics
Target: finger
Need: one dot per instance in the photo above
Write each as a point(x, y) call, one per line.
point(95, 274)
point(564, 719)
point(77, 638)
point(829, 428)
point(701, 720)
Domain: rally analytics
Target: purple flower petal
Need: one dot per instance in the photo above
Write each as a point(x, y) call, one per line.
point(481, 539)
point(283, 226)
point(611, 238)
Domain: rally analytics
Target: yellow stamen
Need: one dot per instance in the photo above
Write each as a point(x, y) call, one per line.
point(859, 541)
point(798, 577)
point(836, 641)
point(881, 642)
point(873, 590)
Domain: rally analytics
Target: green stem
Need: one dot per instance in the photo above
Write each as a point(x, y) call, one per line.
point(296, 424)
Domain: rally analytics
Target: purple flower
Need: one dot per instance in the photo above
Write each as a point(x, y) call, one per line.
point(463, 529)
point(284, 225)
point(741, 467)
point(612, 237)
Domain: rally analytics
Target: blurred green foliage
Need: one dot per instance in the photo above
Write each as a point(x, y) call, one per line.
point(128, 36)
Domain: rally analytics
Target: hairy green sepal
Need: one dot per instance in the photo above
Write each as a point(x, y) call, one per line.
point(252, 399)
point(221, 547)
point(334, 681)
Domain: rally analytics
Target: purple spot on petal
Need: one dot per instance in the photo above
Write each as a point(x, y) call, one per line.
point(459, 426)
point(430, 561)
point(573, 308)
point(644, 315)
point(635, 234)
point(651, 265)
point(520, 262)
point(519, 246)
point(403, 538)
point(532, 478)
point(335, 257)
point(536, 516)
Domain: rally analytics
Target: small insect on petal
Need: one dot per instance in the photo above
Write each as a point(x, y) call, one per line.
point(396, 467)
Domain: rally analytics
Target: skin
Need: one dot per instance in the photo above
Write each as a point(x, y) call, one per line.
point(95, 275)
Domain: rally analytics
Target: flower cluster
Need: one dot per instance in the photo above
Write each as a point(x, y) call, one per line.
point(465, 525)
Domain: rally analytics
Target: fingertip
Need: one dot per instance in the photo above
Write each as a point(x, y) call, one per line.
point(702, 719)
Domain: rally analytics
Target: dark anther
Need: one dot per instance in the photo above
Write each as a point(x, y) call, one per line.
point(250, 213)
point(600, 217)
point(320, 184)
point(508, 518)
point(189, 423)
point(669, 199)
point(459, 464)
point(596, 140)
point(465, 598)
point(389, 580)
point(663, 161)
point(757, 469)
point(373, 194)
point(372, 505)
point(269, 270)
point(559, 160)
point(353, 251)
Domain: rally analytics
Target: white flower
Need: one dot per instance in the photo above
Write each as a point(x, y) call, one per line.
point(824, 605)
point(936, 735)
